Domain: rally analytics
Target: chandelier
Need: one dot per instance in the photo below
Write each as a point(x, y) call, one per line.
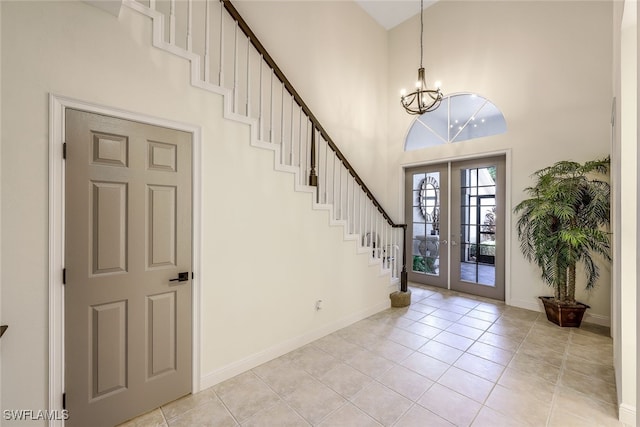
point(423, 99)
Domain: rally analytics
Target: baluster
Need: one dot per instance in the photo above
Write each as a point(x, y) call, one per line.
point(221, 69)
point(189, 25)
point(291, 153)
point(248, 103)
point(282, 125)
point(313, 177)
point(207, 34)
point(271, 135)
point(235, 69)
point(172, 22)
point(326, 175)
point(260, 109)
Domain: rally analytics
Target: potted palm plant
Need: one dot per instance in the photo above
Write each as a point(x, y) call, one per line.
point(563, 224)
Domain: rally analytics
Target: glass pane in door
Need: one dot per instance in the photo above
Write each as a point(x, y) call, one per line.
point(478, 225)
point(426, 201)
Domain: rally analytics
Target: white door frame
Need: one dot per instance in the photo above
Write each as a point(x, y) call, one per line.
point(507, 203)
point(57, 105)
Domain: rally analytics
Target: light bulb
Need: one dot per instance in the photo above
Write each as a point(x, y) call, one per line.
point(418, 84)
point(438, 84)
point(403, 92)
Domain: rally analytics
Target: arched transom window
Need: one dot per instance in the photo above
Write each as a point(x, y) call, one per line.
point(460, 117)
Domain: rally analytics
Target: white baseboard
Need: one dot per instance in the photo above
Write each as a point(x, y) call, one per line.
point(627, 415)
point(229, 371)
point(597, 319)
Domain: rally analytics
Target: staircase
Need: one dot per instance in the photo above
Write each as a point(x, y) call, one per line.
point(227, 59)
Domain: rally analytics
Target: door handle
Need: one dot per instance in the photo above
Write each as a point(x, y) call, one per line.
point(443, 242)
point(182, 277)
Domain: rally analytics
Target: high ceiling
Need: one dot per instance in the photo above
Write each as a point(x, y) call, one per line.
point(390, 13)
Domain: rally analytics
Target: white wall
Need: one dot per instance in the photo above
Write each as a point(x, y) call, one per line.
point(267, 256)
point(546, 65)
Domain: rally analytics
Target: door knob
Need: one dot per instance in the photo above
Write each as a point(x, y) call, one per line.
point(453, 243)
point(182, 277)
point(443, 242)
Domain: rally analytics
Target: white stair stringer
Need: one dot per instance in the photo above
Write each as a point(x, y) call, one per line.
point(195, 60)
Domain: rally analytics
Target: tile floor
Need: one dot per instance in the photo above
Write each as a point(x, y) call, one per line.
point(448, 359)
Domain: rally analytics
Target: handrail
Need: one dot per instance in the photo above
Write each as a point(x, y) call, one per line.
point(278, 72)
point(242, 24)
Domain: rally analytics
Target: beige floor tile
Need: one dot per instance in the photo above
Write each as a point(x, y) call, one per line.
point(424, 309)
point(542, 339)
point(495, 308)
point(447, 315)
point(465, 331)
point(280, 415)
point(406, 382)
point(414, 314)
point(423, 330)
point(313, 360)
point(436, 322)
point(407, 339)
point(562, 418)
point(150, 419)
point(210, 414)
point(464, 301)
point(467, 384)
point(487, 417)
point(371, 364)
point(338, 347)
point(521, 407)
point(349, 416)
point(454, 308)
point(391, 350)
point(441, 351)
point(425, 366)
point(483, 315)
point(491, 353)
point(524, 382)
point(602, 353)
point(508, 330)
point(580, 405)
point(245, 395)
point(546, 354)
point(381, 403)
point(184, 404)
point(585, 367)
point(282, 375)
point(505, 343)
point(481, 367)
point(314, 401)
point(453, 340)
point(450, 405)
point(536, 367)
point(345, 380)
point(589, 385)
point(417, 416)
point(483, 325)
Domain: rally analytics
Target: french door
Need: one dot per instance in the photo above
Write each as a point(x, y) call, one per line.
point(455, 214)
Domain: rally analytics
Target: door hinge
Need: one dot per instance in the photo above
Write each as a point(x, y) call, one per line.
point(192, 275)
point(64, 400)
point(64, 150)
point(64, 276)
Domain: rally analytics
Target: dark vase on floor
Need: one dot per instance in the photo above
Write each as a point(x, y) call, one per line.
point(565, 315)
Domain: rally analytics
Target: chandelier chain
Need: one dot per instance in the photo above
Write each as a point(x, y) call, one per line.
point(421, 32)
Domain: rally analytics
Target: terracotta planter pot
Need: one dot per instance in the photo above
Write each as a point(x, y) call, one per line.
point(569, 316)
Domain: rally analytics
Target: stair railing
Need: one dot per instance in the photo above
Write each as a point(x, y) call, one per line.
point(230, 57)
